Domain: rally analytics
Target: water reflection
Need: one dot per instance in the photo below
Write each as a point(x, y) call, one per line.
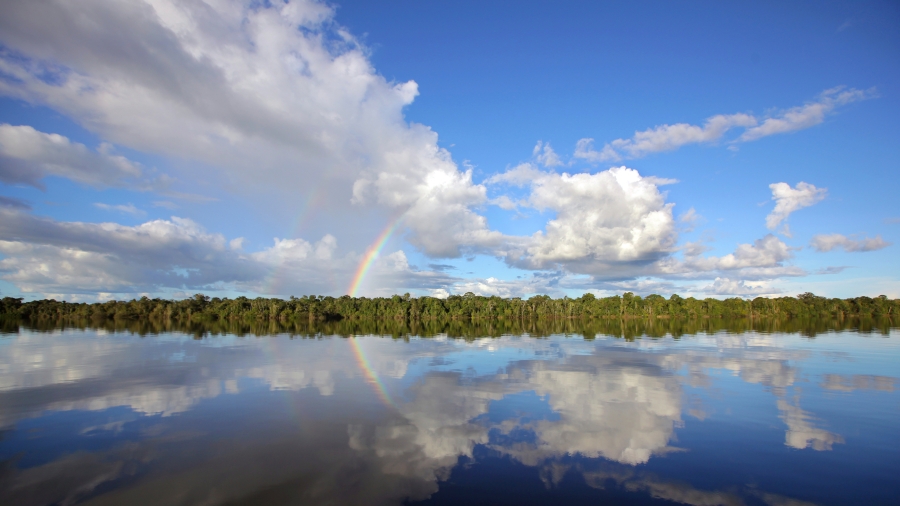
point(100, 417)
point(626, 328)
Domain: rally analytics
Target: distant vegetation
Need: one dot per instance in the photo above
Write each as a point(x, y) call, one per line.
point(405, 308)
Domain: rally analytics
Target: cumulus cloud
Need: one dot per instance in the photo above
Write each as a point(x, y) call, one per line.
point(670, 137)
point(787, 200)
point(828, 242)
point(27, 156)
point(436, 206)
point(609, 218)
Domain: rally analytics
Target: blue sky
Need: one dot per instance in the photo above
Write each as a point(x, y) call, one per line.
point(260, 148)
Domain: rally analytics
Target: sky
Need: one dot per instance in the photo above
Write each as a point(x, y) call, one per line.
point(272, 148)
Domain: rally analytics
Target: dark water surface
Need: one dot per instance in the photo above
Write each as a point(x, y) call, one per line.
point(786, 414)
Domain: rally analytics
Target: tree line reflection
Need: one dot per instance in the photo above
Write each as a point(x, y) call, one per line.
point(626, 328)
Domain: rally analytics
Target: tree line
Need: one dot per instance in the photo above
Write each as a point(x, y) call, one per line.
point(455, 307)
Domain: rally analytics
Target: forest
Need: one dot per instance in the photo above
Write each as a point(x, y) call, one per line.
point(406, 308)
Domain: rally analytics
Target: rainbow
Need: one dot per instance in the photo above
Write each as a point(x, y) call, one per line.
point(370, 256)
point(369, 373)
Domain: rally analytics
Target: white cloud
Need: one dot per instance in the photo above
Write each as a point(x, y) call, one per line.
point(670, 137)
point(584, 150)
point(538, 283)
point(545, 155)
point(436, 204)
point(27, 156)
point(46, 256)
point(805, 116)
point(609, 218)
point(275, 96)
point(694, 249)
point(43, 255)
point(766, 252)
point(787, 200)
point(504, 202)
point(122, 208)
point(236, 243)
point(690, 219)
point(828, 242)
point(763, 260)
point(725, 286)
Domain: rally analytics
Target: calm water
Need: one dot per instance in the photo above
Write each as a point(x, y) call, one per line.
point(89, 416)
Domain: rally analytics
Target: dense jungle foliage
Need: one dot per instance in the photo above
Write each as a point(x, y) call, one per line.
point(201, 308)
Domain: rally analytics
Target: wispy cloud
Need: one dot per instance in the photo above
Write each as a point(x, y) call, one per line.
point(122, 208)
point(671, 137)
point(14, 203)
point(545, 155)
point(828, 242)
point(165, 204)
point(805, 116)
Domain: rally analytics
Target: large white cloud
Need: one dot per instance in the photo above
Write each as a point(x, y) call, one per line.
point(279, 97)
point(611, 218)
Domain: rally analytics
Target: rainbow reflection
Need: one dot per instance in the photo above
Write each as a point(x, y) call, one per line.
point(369, 373)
